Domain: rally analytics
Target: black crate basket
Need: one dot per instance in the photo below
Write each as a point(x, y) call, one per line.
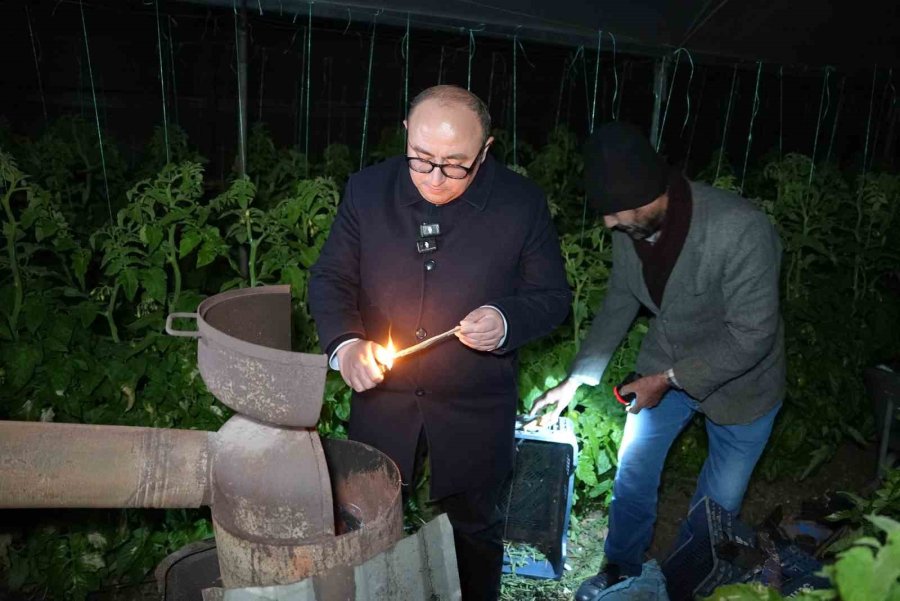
point(537, 499)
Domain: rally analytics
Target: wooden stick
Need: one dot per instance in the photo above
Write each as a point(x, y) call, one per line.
point(425, 343)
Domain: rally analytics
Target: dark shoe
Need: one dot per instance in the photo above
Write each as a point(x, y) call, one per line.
point(608, 576)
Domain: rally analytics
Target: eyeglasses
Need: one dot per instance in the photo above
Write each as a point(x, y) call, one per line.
point(451, 171)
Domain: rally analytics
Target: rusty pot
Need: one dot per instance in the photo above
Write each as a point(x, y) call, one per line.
point(245, 358)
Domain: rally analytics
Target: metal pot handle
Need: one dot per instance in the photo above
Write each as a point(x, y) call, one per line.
point(183, 333)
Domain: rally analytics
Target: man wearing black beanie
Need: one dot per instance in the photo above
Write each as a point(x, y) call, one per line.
point(705, 263)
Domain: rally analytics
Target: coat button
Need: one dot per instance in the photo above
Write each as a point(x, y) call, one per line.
point(421, 334)
point(420, 392)
point(430, 264)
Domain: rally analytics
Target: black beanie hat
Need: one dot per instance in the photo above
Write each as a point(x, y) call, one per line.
point(622, 171)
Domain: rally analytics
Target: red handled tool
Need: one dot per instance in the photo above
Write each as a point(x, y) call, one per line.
point(627, 399)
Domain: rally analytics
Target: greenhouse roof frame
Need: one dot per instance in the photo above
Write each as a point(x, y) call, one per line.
point(788, 32)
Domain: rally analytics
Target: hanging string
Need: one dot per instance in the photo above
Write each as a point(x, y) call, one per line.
point(365, 129)
point(471, 55)
point(515, 92)
point(662, 126)
point(562, 84)
point(87, 51)
point(869, 124)
point(613, 110)
point(687, 158)
point(491, 80)
point(587, 90)
point(262, 81)
point(780, 111)
point(862, 185)
point(752, 118)
point(308, 85)
point(162, 82)
point(242, 98)
point(887, 84)
point(37, 67)
point(441, 68)
point(725, 128)
point(687, 114)
point(812, 163)
point(301, 102)
point(626, 71)
point(406, 69)
point(172, 71)
point(596, 79)
point(837, 114)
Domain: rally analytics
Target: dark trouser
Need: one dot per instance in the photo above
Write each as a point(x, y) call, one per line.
point(477, 533)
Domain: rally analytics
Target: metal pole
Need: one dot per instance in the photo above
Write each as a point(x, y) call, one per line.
point(241, 34)
point(660, 70)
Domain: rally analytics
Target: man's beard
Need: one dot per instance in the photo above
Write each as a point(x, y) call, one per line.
point(636, 231)
point(642, 231)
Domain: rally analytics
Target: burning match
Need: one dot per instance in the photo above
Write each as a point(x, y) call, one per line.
point(389, 355)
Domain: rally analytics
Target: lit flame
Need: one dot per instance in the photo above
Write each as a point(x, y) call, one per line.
point(385, 354)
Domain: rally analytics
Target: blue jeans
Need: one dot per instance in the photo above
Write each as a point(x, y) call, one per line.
point(733, 453)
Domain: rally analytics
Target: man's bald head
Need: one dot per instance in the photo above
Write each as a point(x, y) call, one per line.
point(458, 97)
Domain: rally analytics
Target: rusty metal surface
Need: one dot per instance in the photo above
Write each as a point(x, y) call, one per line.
point(271, 484)
point(366, 493)
point(245, 359)
point(76, 465)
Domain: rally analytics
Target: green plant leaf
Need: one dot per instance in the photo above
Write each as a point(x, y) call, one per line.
point(153, 281)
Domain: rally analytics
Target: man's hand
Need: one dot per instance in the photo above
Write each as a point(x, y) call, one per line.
point(649, 389)
point(482, 329)
point(559, 398)
point(359, 366)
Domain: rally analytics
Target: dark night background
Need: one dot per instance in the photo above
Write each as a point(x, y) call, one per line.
point(201, 79)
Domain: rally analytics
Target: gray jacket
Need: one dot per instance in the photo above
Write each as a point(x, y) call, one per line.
point(719, 326)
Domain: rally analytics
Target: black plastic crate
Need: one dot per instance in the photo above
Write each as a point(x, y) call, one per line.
point(537, 499)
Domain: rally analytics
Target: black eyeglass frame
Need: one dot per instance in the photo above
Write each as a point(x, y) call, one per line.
point(441, 166)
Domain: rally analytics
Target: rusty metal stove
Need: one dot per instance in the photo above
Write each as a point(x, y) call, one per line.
point(285, 507)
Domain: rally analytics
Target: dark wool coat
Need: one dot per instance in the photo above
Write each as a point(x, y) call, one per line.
point(497, 246)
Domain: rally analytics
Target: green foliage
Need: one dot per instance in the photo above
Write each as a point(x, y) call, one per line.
point(83, 298)
point(885, 501)
point(80, 336)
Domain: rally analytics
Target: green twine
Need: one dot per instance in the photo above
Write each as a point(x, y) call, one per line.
point(596, 79)
point(87, 51)
point(752, 118)
point(869, 122)
point(162, 82)
point(515, 91)
point(613, 110)
point(172, 70)
point(812, 166)
point(837, 114)
point(308, 86)
point(887, 84)
point(37, 67)
point(471, 56)
point(301, 100)
point(687, 158)
point(242, 149)
point(365, 128)
point(862, 185)
point(725, 128)
point(491, 80)
point(406, 68)
point(780, 111)
point(662, 126)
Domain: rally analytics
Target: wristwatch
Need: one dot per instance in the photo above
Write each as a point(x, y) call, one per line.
point(670, 378)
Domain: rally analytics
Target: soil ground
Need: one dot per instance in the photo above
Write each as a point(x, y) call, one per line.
point(851, 469)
